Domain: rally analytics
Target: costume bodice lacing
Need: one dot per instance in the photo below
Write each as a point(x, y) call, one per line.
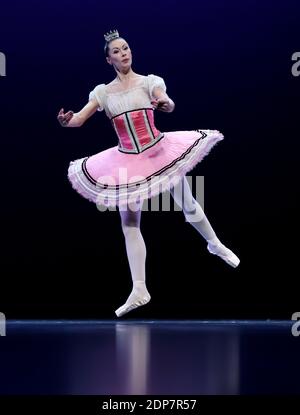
point(135, 130)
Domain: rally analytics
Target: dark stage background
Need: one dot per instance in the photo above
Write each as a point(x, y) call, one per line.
point(228, 66)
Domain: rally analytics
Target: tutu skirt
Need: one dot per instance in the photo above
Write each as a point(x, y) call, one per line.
point(114, 178)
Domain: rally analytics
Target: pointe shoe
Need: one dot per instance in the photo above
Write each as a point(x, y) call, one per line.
point(125, 308)
point(217, 248)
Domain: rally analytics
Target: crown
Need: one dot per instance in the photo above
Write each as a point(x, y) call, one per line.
point(112, 34)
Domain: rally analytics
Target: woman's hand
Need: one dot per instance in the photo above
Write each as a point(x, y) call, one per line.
point(64, 119)
point(162, 104)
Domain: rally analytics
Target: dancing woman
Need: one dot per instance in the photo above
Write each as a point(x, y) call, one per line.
point(144, 163)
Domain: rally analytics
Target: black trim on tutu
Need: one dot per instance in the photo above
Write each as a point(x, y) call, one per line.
point(129, 185)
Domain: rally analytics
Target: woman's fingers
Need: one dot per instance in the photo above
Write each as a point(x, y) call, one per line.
point(154, 104)
point(61, 112)
point(68, 118)
point(64, 118)
point(69, 115)
point(160, 103)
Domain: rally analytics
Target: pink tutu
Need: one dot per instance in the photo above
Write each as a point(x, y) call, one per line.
point(145, 162)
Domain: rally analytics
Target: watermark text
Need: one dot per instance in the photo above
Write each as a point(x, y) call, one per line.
point(296, 66)
point(296, 325)
point(2, 64)
point(2, 324)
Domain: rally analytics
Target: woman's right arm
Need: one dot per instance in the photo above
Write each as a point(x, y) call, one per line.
point(77, 119)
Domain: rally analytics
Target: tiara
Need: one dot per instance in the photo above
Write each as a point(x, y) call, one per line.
point(112, 34)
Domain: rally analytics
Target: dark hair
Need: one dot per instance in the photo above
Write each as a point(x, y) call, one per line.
point(106, 46)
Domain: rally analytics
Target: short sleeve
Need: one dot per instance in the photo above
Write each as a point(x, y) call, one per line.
point(156, 81)
point(98, 94)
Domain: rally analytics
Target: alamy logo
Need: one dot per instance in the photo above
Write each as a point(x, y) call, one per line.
point(296, 66)
point(2, 324)
point(2, 64)
point(296, 326)
point(139, 192)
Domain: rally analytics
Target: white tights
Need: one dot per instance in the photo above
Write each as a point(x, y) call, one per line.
point(135, 245)
point(136, 254)
point(192, 211)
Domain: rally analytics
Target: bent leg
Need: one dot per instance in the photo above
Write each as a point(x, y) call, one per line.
point(192, 210)
point(195, 215)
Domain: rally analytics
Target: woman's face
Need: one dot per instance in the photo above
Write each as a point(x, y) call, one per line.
point(119, 54)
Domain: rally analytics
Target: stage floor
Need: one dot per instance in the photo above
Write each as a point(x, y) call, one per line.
point(149, 357)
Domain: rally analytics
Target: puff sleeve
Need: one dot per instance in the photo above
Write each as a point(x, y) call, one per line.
point(98, 94)
point(155, 81)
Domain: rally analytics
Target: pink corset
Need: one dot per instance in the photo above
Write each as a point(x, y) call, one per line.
point(136, 130)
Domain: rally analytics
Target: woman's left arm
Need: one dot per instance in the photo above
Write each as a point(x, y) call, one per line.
point(162, 101)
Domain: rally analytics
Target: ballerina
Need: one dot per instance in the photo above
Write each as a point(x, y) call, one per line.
point(144, 163)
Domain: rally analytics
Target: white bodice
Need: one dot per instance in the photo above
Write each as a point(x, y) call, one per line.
point(114, 100)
